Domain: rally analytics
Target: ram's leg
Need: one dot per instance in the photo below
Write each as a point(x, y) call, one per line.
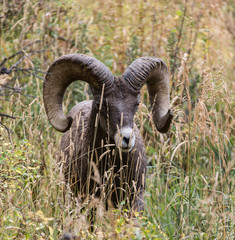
point(138, 202)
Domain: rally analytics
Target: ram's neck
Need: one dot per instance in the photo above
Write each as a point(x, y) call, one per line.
point(96, 133)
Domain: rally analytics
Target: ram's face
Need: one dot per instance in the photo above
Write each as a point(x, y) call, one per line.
point(117, 109)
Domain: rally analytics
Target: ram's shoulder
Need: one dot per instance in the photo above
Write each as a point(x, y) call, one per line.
point(82, 108)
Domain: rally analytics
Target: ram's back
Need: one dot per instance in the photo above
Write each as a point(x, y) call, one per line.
point(74, 144)
point(80, 114)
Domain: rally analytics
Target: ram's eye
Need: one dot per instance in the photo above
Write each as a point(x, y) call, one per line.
point(97, 105)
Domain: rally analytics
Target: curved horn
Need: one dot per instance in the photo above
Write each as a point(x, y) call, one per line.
point(63, 72)
point(153, 71)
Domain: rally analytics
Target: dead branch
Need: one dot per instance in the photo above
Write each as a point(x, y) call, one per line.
point(6, 115)
point(6, 89)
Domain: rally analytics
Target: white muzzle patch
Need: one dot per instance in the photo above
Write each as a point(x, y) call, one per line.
point(125, 139)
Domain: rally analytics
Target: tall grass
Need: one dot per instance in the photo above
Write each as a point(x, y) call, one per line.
point(190, 180)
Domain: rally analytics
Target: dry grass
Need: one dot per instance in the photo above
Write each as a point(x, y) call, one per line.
point(190, 182)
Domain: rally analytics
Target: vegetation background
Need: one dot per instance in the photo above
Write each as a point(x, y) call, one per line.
point(190, 181)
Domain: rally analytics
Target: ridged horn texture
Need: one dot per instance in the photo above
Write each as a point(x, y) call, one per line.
point(153, 71)
point(63, 72)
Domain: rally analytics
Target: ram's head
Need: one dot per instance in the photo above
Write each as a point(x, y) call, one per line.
point(116, 99)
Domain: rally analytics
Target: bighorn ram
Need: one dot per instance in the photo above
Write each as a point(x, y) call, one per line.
point(101, 149)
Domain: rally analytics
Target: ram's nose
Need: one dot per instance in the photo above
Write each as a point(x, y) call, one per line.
point(125, 139)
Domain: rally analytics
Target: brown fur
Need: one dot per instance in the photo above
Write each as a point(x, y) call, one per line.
point(116, 170)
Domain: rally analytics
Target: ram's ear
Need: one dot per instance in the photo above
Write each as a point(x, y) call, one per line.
point(92, 90)
point(153, 71)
